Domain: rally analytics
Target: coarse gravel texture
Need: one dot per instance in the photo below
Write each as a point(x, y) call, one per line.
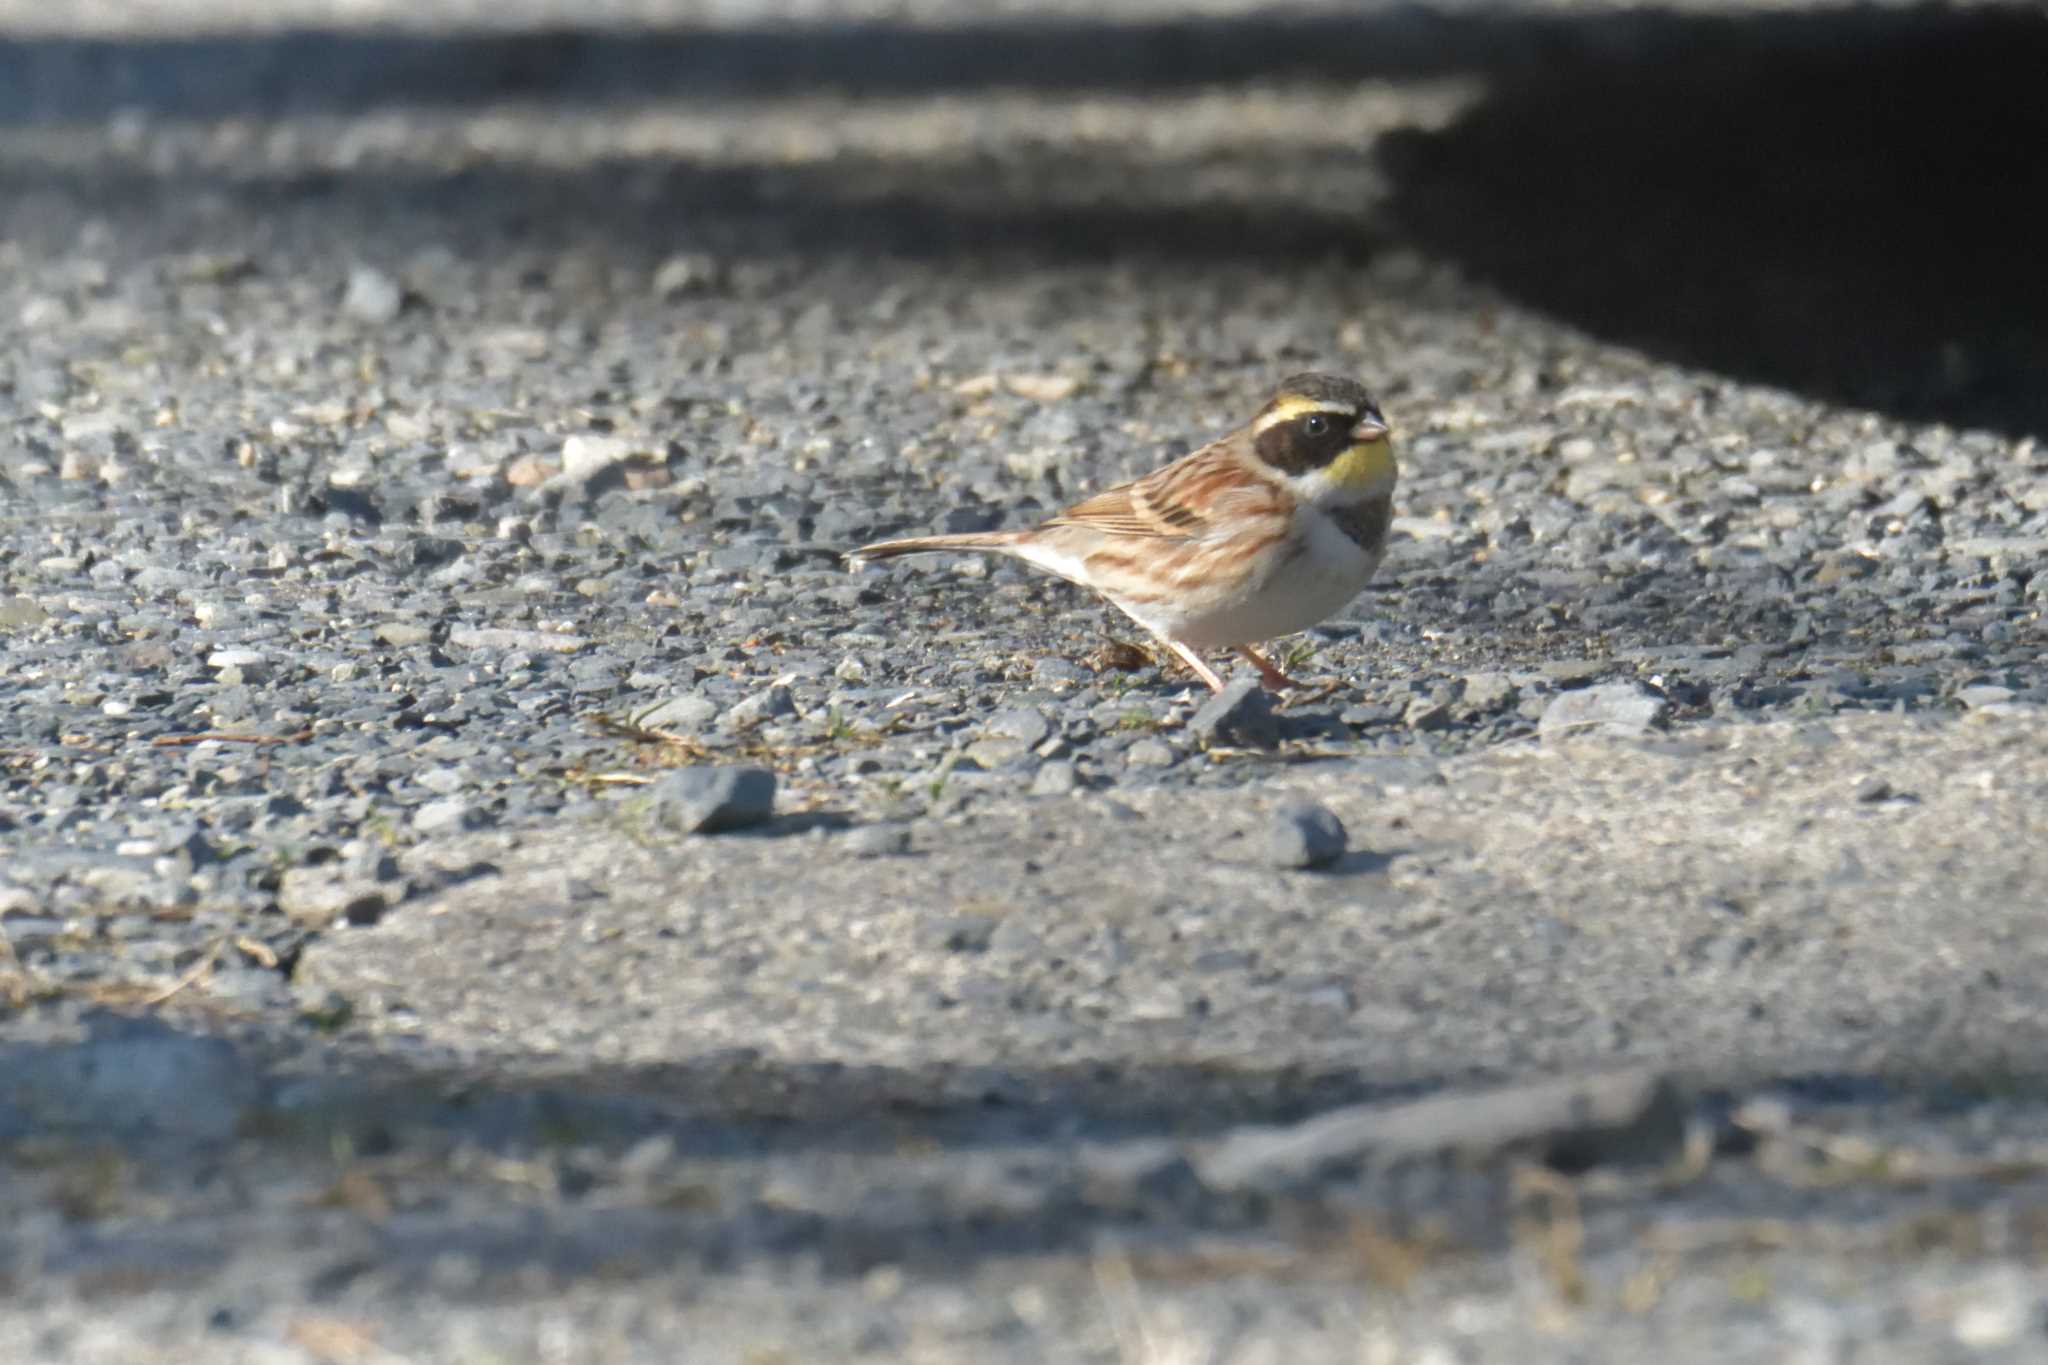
point(483, 882)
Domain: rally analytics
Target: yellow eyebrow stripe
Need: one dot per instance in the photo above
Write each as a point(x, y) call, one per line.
point(1287, 409)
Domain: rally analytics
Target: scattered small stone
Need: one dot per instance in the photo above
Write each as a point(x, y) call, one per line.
point(1042, 388)
point(1302, 835)
point(1488, 692)
point(372, 296)
point(527, 471)
point(712, 800)
point(232, 667)
point(993, 752)
point(1571, 672)
point(685, 714)
point(319, 896)
point(1984, 695)
point(1157, 1001)
point(1844, 567)
point(585, 456)
point(494, 637)
point(1055, 673)
point(689, 272)
point(401, 634)
point(1025, 724)
point(21, 613)
point(1613, 710)
point(769, 703)
point(878, 841)
point(1056, 778)
point(445, 816)
point(1427, 713)
point(1240, 716)
point(1873, 789)
point(1150, 753)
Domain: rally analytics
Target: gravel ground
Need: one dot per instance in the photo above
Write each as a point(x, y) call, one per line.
point(483, 883)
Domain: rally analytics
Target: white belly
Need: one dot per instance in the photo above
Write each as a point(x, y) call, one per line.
point(1306, 588)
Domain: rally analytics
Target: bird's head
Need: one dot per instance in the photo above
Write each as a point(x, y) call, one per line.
point(1326, 435)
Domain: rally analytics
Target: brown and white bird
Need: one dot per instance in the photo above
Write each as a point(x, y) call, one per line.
point(1260, 533)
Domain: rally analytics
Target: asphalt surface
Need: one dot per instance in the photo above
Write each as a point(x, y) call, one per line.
point(482, 882)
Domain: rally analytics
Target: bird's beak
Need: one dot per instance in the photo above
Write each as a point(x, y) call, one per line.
point(1371, 427)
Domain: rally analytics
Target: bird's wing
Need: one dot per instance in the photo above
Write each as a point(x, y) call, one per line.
point(1181, 500)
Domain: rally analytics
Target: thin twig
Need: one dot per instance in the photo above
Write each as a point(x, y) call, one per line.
point(194, 973)
point(226, 737)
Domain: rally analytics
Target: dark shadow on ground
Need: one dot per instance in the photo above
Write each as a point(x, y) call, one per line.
point(257, 75)
point(1843, 203)
point(352, 1163)
point(1854, 214)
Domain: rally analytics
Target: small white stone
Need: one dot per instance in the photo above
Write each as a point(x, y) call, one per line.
point(583, 455)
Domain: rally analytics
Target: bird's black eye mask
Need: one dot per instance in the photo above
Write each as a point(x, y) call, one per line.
point(1308, 442)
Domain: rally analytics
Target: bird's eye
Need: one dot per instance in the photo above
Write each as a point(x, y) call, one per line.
point(1315, 424)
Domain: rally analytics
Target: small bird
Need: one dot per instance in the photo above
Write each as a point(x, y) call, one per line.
point(1260, 533)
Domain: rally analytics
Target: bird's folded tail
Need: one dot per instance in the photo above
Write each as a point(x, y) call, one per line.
point(1002, 542)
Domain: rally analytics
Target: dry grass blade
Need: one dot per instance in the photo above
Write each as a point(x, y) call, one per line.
point(230, 737)
point(667, 749)
point(192, 974)
point(613, 728)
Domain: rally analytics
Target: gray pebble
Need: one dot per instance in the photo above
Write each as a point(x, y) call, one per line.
point(1240, 716)
point(877, 841)
point(767, 704)
point(497, 637)
point(21, 613)
point(1157, 1001)
point(690, 272)
point(1056, 778)
point(1025, 724)
point(445, 816)
point(1612, 710)
point(1984, 695)
point(1486, 692)
point(322, 895)
point(1150, 753)
point(584, 456)
point(372, 296)
point(993, 753)
point(401, 634)
point(1303, 835)
point(1427, 713)
point(684, 713)
point(712, 800)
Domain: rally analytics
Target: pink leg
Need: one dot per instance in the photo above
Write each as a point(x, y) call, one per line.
point(1194, 661)
point(1273, 678)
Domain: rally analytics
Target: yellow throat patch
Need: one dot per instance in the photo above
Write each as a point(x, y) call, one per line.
point(1367, 466)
